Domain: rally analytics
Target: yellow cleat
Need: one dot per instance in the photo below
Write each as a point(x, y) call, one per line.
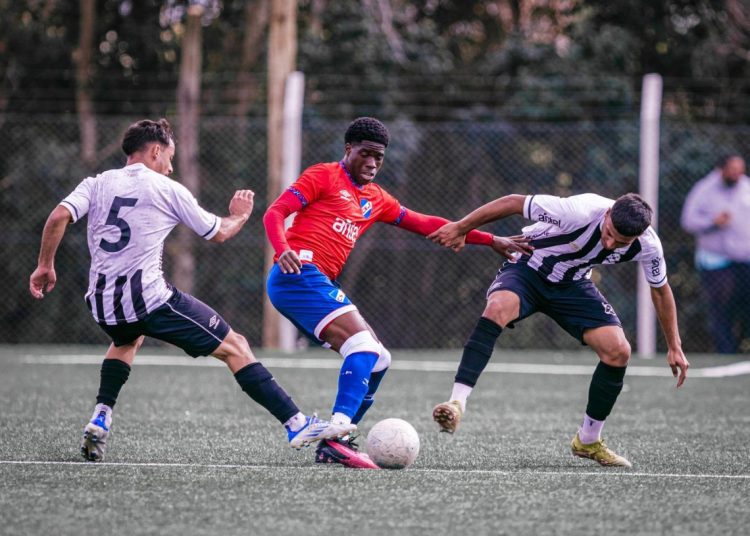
point(599, 452)
point(448, 415)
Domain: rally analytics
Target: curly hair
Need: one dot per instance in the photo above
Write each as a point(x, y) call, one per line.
point(631, 215)
point(366, 128)
point(146, 131)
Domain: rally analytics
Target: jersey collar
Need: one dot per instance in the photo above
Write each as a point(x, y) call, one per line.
point(349, 175)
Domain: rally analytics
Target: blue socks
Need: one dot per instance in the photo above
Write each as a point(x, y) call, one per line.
point(354, 380)
point(369, 399)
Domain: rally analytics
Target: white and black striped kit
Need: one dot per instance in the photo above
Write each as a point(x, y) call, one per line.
point(567, 240)
point(130, 213)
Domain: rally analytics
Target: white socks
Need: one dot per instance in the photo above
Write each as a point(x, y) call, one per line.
point(108, 411)
point(296, 423)
point(590, 431)
point(461, 393)
point(340, 418)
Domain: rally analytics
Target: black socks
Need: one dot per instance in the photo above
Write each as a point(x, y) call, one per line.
point(114, 374)
point(606, 385)
point(259, 384)
point(477, 351)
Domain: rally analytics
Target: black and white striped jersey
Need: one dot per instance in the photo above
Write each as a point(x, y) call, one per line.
point(567, 240)
point(130, 213)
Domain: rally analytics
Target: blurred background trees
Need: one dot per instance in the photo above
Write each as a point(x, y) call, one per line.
point(483, 97)
point(436, 59)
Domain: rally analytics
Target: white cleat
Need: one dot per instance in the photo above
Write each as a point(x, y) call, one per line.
point(315, 430)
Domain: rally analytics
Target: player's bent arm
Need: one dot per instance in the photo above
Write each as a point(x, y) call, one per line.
point(44, 277)
point(666, 312)
point(240, 208)
point(229, 227)
point(494, 210)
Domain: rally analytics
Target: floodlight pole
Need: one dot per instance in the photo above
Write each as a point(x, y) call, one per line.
point(649, 189)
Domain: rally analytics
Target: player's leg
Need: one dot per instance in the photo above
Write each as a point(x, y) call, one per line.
point(585, 313)
point(613, 349)
point(114, 373)
point(198, 330)
point(502, 307)
point(363, 368)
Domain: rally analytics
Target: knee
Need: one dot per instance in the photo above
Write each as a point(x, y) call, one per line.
point(362, 341)
point(616, 354)
point(502, 308)
point(384, 359)
point(234, 346)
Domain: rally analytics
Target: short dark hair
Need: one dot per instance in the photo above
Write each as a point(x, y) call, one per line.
point(146, 131)
point(631, 215)
point(366, 128)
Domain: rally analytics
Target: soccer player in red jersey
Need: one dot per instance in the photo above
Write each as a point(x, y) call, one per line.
point(336, 203)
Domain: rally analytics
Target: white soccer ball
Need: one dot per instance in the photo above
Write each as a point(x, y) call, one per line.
point(393, 444)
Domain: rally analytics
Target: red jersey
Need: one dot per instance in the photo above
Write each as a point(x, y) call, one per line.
point(334, 213)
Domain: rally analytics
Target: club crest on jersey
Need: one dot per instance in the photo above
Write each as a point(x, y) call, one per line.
point(337, 295)
point(613, 258)
point(366, 206)
point(347, 228)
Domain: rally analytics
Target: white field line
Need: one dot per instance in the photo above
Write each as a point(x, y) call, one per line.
point(734, 369)
point(605, 473)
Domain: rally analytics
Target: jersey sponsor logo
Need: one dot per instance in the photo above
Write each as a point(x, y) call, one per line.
point(546, 218)
point(337, 295)
point(366, 206)
point(305, 255)
point(347, 228)
point(345, 195)
point(656, 267)
point(213, 322)
point(608, 309)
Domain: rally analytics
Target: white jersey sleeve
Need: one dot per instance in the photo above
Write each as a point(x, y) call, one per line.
point(79, 201)
point(189, 212)
point(651, 259)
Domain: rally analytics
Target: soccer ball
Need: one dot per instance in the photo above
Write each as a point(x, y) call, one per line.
point(393, 444)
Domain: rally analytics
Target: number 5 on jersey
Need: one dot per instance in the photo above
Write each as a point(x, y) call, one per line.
point(114, 219)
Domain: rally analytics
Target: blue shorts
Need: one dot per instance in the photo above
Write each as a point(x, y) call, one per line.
point(309, 300)
point(183, 320)
point(576, 306)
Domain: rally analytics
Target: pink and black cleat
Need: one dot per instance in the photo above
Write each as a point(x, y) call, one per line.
point(343, 451)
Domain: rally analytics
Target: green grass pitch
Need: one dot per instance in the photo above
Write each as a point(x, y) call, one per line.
point(191, 454)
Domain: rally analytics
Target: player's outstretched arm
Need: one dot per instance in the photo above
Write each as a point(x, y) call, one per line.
point(451, 234)
point(666, 311)
point(43, 279)
point(240, 208)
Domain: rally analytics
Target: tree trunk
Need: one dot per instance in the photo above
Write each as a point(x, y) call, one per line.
point(282, 54)
point(256, 20)
point(188, 110)
point(84, 106)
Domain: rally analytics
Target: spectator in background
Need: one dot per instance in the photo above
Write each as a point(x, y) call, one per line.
point(716, 212)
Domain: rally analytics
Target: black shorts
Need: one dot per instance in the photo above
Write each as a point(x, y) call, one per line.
point(183, 320)
point(575, 306)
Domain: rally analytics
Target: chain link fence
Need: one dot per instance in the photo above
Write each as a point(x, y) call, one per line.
point(414, 294)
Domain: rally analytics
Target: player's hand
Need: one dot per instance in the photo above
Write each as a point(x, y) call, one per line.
point(289, 262)
point(450, 236)
point(679, 365)
point(241, 203)
point(42, 281)
point(511, 247)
